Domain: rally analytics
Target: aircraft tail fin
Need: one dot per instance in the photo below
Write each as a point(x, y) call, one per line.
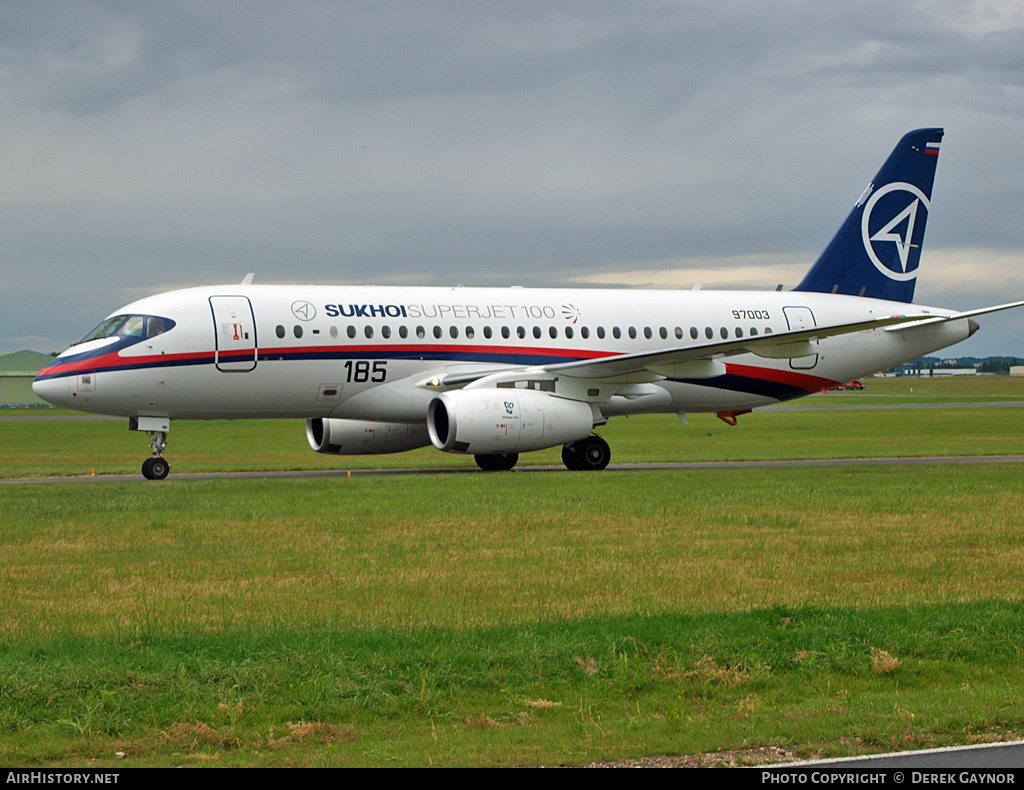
point(877, 250)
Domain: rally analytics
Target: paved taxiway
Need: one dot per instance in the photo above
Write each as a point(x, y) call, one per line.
point(987, 756)
point(935, 459)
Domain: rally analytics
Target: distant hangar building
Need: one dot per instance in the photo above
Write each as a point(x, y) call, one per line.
point(17, 371)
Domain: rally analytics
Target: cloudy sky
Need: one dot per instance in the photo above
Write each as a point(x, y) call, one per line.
point(149, 146)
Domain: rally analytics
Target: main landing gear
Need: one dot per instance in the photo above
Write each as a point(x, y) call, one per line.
point(155, 468)
point(590, 454)
point(496, 463)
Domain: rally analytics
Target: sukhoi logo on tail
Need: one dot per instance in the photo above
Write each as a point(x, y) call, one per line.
point(895, 223)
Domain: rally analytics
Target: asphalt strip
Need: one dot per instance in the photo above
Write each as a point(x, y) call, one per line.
point(334, 473)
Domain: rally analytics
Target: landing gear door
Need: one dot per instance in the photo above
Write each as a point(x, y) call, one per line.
point(234, 332)
point(801, 318)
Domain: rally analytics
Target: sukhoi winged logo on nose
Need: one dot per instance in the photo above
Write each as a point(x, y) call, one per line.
point(899, 229)
point(303, 310)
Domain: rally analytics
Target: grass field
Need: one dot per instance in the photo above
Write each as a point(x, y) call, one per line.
point(504, 619)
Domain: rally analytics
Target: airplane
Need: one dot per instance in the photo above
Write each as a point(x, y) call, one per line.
point(495, 372)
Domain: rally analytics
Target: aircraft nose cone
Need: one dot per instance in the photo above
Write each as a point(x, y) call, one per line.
point(52, 390)
point(972, 326)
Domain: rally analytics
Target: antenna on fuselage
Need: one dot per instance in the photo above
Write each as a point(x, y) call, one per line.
point(247, 280)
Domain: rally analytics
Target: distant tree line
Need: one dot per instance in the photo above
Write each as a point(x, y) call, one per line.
point(997, 365)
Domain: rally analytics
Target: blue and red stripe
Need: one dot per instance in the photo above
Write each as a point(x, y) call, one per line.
point(769, 382)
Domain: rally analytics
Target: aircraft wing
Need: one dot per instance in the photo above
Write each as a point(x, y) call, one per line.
point(699, 360)
point(696, 360)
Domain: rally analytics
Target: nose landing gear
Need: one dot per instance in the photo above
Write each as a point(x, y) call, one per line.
point(155, 468)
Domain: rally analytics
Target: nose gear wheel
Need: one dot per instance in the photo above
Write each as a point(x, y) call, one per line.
point(156, 468)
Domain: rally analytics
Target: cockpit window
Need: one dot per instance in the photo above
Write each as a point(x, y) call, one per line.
point(133, 326)
point(106, 329)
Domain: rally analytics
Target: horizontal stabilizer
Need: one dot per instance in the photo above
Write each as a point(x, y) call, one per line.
point(941, 319)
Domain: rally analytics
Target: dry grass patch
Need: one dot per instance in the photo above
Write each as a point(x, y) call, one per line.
point(193, 735)
point(542, 704)
point(482, 720)
point(708, 670)
point(883, 662)
point(322, 732)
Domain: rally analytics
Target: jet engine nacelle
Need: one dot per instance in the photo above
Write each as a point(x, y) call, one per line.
point(362, 437)
point(502, 421)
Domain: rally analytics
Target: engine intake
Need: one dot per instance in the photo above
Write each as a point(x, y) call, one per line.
point(500, 421)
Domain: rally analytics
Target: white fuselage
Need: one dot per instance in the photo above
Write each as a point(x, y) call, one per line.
point(379, 353)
